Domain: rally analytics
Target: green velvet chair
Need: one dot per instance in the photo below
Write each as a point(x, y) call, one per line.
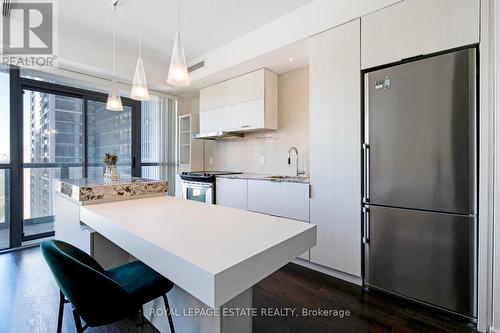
point(98, 296)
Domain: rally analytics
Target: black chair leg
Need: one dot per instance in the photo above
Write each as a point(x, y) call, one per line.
point(141, 313)
point(61, 312)
point(78, 322)
point(169, 315)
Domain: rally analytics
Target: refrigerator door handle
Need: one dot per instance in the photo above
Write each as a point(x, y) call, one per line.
point(366, 180)
point(366, 225)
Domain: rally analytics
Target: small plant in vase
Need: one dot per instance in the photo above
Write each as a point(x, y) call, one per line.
point(110, 161)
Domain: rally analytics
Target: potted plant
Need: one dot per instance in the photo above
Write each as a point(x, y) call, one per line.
point(110, 161)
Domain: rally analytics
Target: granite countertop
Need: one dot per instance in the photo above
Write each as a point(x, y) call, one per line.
point(96, 190)
point(92, 182)
point(270, 178)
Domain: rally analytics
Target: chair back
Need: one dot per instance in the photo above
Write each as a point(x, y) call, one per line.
point(97, 299)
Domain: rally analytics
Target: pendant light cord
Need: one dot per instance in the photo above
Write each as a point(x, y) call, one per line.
point(114, 40)
point(179, 17)
point(140, 27)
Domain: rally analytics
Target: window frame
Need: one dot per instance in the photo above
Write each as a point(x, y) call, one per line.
point(17, 166)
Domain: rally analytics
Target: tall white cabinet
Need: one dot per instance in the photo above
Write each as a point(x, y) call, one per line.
point(417, 27)
point(335, 149)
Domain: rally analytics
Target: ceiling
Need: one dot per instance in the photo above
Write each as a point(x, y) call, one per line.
point(205, 24)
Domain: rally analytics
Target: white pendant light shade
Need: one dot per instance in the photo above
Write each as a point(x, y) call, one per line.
point(178, 75)
point(139, 87)
point(114, 102)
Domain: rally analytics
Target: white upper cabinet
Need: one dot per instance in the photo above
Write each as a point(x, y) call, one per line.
point(417, 27)
point(246, 103)
point(385, 36)
point(335, 147)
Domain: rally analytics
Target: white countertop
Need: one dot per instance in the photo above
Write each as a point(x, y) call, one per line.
point(212, 252)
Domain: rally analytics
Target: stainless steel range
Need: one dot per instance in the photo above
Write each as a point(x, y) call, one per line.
point(200, 185)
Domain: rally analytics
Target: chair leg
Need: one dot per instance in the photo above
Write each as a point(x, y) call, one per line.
point(78, 322)
point(61, 312)
point(141, 313)
point(169, 315)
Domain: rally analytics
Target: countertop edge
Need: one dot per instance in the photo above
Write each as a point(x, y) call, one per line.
point(305, 180)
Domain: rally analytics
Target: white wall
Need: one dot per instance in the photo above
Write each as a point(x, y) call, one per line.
point(293, 130)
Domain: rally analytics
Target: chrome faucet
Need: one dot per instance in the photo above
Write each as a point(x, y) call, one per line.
point(290, 162)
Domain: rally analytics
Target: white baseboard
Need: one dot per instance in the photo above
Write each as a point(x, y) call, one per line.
point(329, 271)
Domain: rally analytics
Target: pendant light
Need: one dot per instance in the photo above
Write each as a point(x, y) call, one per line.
point(177, 74)
point(139, 86)
point(114, 102)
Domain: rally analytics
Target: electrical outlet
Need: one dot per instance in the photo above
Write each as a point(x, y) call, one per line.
point(210, 160)
point(262, 160)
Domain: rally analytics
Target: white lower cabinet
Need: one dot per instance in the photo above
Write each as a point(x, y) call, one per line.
point(282, 199)
point(261, 197)
point(290, 200)
point(335, 148)
point(231, 193)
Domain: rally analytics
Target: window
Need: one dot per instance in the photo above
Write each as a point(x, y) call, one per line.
point(52, 149)
point(5, 159)
point(108, 132)
point(63, 132)
point(4, 209)
point(65, 135)
point(157, 139)
point(153, 138)
point(5, 117)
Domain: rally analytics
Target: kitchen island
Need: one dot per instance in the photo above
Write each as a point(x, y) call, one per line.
point(213, 254)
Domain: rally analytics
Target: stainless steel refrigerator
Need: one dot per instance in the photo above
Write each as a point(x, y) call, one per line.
point(419, 200)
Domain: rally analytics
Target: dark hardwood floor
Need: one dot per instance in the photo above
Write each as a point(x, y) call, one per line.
point(298, 287)
point(29, 302)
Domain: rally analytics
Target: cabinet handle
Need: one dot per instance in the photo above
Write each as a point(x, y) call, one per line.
point(245, 126)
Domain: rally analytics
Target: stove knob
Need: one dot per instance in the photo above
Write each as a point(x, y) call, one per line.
point(206, 174)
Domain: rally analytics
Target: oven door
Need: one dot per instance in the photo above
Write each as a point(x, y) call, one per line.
point(196, 191)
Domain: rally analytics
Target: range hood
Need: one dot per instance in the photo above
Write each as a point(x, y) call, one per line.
point(217, 135)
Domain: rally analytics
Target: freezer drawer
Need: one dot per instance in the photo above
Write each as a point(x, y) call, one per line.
point(420, 119)
point(429, 257)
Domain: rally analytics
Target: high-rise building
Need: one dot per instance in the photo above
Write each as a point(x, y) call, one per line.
point(108, 132)
point(55, 138)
